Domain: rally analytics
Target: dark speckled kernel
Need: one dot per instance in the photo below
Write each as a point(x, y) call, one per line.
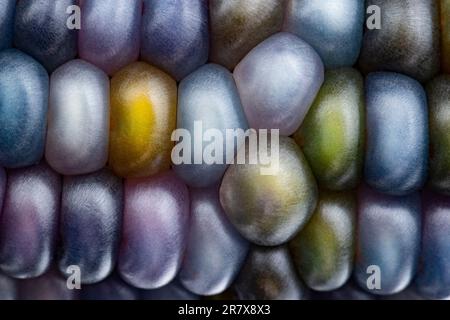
point(174, 35)
point(396, 156)
point(433, 278)
point(49, 286)
point(29, 222)
point(408, 40)
point(24, 87)
point(7, 8)
point(323, 250)
point(332, 133)
point(268, 274)
point(439, 108)
point(40, 30)
point(238, 26)
point(91, 220)
point(388, 236)
point(215, 250)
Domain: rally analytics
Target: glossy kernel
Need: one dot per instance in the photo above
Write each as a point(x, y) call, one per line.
point(332, 134)
point(23, 109)
point(155, 228)
point(278, 81)
point(208, 98)
point(215, 250)
point(396, 157)
point(323, 250)
point(174, 35)
point(91, 221)
point(388, 238)
point(109, 34)
point(29, 221)
point(270, 209)
point(78, 119)
point(334, 28)
point(143, 116)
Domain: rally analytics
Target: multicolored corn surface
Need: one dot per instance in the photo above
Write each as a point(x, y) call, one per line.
point(100, 99)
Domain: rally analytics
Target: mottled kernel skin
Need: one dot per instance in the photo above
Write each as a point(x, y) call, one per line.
point(278, 81)
point(155, 229)
point(269, 274)
point(396, 153)
point(175, 36)
point(29, 221)
point(438, 91)
point(78, 119)
point(40, 30)
point(7, 9)
point(332, 133)
point(23, 109)
point(215, 250)
point(91, 221)
point(270, 209)
point(408, 41)
point(238, 26)
point(388, 236)
point(323, 250)
point(433, 277)
point(143, 116)
point(445, 34)
point(334, 28)
point(109, 34)
point(208, 96)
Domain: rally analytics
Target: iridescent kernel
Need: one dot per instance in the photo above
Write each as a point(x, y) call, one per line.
point(143, 116)
point(387, 241)
point(270, 209)
point(155, 229)
point(323, 250)
point(278, 81)
point(334, 28)
point(332, 133)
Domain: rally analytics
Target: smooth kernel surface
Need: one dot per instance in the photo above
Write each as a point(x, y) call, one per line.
point(143, 116)
point(332, 134)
